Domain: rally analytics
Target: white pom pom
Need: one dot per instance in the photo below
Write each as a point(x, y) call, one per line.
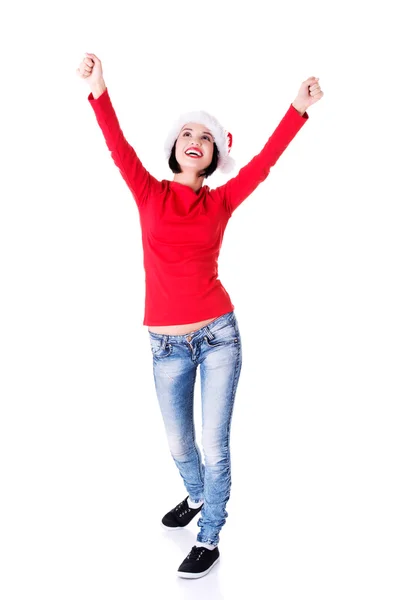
point(227, 165)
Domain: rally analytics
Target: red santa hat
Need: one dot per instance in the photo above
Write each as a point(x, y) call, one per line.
point(222, 137)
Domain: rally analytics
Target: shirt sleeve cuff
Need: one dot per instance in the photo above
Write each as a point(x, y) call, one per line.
point(103, 98)
point(299, 116)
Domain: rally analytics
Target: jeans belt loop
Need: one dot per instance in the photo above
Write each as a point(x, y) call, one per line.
point(209, 334)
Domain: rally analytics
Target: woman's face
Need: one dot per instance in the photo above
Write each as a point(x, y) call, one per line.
point(194, 147)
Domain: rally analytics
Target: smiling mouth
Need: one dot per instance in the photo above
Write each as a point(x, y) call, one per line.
point(193, 154)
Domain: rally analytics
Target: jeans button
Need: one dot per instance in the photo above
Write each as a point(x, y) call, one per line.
point(189, 338)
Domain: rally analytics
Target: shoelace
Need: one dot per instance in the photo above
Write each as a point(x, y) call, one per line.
point(196, 553)
point(180, 505)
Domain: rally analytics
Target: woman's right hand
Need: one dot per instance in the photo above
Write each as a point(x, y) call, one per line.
point(91, 70)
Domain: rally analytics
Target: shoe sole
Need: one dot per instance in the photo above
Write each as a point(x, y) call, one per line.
point(197, 575)
point(172, 528)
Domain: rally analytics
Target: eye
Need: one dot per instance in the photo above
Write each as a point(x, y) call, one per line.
point(185, 132)
point(207, 137)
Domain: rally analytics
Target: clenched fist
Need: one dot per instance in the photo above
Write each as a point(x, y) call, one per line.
point(91, 69)
point(309, 93)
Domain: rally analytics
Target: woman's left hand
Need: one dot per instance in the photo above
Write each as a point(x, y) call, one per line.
point(309, 93)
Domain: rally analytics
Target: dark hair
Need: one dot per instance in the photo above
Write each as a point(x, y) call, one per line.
point(175, 167)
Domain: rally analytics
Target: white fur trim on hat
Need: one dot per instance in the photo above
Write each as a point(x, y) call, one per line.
point(221, 136)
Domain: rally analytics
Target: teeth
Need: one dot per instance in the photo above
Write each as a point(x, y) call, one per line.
point(193, 152)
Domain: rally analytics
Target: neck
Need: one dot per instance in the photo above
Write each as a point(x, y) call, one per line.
point(190, 179)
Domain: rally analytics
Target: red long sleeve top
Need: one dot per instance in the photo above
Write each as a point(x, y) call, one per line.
point(182, 230)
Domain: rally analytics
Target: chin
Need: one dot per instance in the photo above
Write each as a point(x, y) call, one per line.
point(196, 168)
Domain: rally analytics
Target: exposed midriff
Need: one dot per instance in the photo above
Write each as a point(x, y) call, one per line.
point(181, 329)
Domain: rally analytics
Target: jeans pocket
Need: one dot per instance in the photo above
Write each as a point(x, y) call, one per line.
point(226, 335)
point(160, 349)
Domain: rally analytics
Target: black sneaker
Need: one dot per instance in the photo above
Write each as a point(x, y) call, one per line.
point(180, 516)
point(198, 562)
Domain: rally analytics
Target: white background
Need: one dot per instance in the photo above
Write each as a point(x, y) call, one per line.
point(310, 260)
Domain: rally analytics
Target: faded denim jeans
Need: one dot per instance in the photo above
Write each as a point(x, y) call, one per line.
point(217, 349)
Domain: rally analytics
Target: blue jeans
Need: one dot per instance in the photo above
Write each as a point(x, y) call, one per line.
point(217, 349)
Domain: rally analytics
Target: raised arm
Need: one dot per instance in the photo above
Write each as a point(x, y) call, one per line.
point(237, 189)
point(249, 177)
point(124, 156)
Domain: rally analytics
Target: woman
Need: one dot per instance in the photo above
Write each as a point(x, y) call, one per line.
point(189, 314)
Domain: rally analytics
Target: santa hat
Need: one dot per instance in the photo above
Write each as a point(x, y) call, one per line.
point(222, 138)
